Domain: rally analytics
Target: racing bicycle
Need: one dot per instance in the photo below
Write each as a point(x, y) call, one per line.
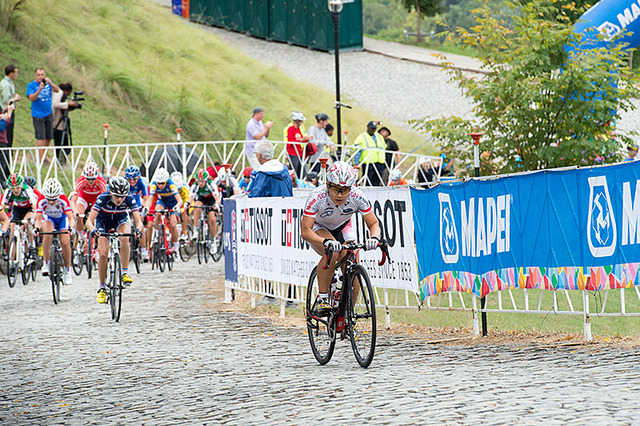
point(353, 311)
point(21, 254)
point(56, 264)
point(114, 285)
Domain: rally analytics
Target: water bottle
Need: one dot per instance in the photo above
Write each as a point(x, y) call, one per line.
point(336, 292)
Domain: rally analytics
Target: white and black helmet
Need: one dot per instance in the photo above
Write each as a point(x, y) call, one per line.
point(52, 188)
point(162, 175)
point(341, 173)
point(395, 174)
point(119, 186)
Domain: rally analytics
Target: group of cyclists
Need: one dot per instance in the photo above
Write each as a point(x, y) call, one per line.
point(120, 204)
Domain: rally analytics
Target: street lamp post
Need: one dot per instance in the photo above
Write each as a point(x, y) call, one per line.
point(476, 165)
point(335, 7)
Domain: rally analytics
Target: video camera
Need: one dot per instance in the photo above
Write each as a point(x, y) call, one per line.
point(77, 97)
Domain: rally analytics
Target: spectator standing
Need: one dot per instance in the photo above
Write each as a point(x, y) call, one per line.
point(446, 163)
point(294, 132)
point(319, 137)
point(371, 154)
point(427, 173)
point(5, 120)
point(8, 94)
point(272, 178)
point(256, 130)
point(392, 159)
point(61, 124)
point(39, 92)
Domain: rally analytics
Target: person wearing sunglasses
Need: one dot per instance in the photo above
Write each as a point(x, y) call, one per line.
point(327, 223)
point(85, 193)
point(53, 213)
point(164, 196)
point(110, 213)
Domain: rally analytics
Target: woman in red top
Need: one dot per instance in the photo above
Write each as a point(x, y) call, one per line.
point(294, 132)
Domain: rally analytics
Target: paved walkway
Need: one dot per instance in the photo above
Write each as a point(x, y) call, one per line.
point(175, 357)
point(420, 55)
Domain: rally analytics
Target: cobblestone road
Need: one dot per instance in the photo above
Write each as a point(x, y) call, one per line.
point(176, 358)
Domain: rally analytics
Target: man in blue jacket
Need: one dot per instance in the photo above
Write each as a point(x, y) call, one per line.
point(272, 178)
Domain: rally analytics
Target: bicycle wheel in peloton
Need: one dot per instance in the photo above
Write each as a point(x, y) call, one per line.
point(162, 249)
point(88, 254)
point(12, 266)
point(217, 255)
point(25, 273)
point(361, 314)
point(136, 255)
point(321, 330)
point(187, 248)
point(115, 290)
point(199, 246)
point(77, 254)
point(170, 260)
point(4, 246)
point(55, 273)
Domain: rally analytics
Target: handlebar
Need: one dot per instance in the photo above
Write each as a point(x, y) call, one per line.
point(66, 231)
point(117, 234)
point(382, 245)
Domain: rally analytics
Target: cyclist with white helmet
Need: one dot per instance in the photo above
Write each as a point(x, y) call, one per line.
point(53, 213)
point(327, 222)
point(86, 191)
point(227, 183)
point(164, 193)
point(185, 194)
point(110, 213)
point(138, 188)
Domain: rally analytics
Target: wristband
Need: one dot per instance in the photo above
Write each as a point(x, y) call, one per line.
point(324, 242)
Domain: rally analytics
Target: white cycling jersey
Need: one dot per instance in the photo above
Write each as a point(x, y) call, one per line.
point(329, 216)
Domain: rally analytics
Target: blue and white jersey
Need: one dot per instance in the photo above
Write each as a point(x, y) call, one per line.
point(108, 211)
point(139, 190)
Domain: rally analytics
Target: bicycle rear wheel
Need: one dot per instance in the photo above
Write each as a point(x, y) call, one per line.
point(115, 288)
point(361, 314)
point(136, 255)
point(55, 273)
point(321, 330)
point(77, 254)
point(12, 265)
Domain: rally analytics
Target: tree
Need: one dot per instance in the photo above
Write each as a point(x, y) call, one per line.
point(423, 9)
point(540, 105)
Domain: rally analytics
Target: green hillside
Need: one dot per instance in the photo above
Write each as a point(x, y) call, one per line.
point(146, 72)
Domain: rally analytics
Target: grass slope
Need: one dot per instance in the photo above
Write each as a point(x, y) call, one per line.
point(146, 72)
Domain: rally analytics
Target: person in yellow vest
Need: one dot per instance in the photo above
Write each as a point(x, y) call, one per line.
point(371, 155)
point(295, 132)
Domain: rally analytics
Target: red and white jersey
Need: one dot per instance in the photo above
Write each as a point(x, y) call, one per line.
point(54, 210)
point(89, 191)
point(325, 212)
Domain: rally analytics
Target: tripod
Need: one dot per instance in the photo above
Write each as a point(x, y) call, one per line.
point(60, 137)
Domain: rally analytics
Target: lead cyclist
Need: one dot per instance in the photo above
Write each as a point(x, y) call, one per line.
point(327, 223)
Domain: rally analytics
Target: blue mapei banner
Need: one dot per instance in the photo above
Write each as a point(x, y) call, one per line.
point(611, 17)
point(556, 230)
point(230, 243)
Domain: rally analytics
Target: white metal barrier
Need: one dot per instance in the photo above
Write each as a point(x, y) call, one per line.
point(66, 163)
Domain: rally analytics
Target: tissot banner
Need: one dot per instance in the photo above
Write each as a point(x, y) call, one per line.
point(270, 244)
point(556, 230)
point(230, 243)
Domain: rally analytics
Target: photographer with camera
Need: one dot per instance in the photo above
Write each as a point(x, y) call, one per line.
point(39, 92)
point(63, 103)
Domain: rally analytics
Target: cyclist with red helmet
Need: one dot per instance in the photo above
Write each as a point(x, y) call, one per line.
point(86, 191)
point(327, 223)
point(205, 193)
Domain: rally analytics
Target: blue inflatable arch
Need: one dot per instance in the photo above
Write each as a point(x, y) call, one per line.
point(611, 17)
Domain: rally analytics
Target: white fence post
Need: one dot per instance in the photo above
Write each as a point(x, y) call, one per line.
point(586, 316)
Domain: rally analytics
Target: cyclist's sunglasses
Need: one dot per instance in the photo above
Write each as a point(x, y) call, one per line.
point(339, 189)
point(119, 197)
point(161, 183)
point(52, 200)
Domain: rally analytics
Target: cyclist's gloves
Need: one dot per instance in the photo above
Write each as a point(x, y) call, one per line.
point(145, 211)
point(138, 232)
point(95, 232)
point(176, 209)
point(332, 245)
point(371, 243)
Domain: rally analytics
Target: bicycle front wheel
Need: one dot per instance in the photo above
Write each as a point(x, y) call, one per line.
point(162, 250)
point(89, 254)
point(219, 246)
point(55, 273)
point(4, 249)
point(12, 262)
point(25, 273)
point(115, 290)
point(361, 314)
point(321, 330)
